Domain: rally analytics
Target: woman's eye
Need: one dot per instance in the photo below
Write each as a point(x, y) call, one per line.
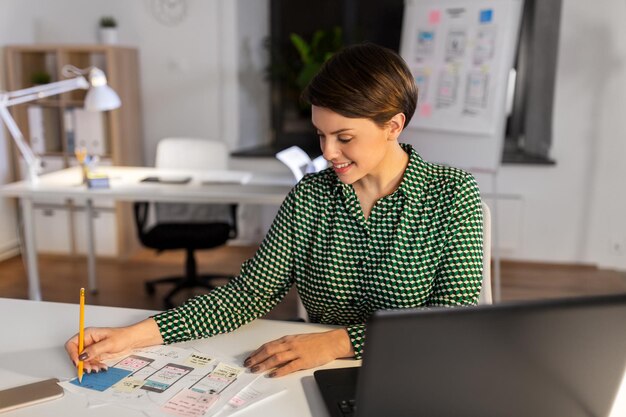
point(344, 140)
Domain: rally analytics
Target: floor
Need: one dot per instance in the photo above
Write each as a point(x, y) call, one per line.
point(121, 283)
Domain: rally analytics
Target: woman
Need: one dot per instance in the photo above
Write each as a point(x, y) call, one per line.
point(380, 229)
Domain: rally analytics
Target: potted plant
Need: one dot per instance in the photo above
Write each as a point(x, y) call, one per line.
point(108, 30)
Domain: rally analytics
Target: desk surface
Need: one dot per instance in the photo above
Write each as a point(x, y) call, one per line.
point(33, 334)
point(126, 185)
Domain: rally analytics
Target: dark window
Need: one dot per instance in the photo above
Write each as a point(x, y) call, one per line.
point(529, 127)
point(359, 20)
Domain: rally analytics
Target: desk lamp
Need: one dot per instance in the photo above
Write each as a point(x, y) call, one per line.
point(100, 97)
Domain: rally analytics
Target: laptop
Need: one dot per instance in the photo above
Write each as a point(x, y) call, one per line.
point(543, 358)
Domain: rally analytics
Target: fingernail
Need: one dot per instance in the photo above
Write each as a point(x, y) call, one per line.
point(83, 356)
point(247, 362)
point(272, 375)
point(256, 369)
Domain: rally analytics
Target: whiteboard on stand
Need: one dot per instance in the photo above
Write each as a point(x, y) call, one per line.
point(461, 53)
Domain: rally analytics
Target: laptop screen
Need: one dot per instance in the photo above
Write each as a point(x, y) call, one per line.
point(547, 358)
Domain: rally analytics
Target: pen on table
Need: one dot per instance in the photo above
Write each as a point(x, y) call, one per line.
point(81, 333)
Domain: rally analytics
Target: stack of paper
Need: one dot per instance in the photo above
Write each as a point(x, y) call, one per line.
point(166, 381)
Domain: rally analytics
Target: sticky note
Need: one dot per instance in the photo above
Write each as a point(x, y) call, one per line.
point(198, 360)
point(486, 15)
point(128, 384)
point(102, 380)
point(434, 17)
point(227, 371)
point(425, 110)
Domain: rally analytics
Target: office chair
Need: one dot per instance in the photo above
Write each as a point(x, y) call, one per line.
point(186, 226)
point(485, 296)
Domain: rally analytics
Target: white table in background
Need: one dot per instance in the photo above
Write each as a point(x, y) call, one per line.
point(126, 185)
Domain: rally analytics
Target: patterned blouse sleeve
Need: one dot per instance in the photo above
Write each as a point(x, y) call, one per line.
point(262, 283)
point(357, 338)
point(459, 274)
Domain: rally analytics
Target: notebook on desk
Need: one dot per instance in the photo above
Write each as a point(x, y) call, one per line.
point(548, 358)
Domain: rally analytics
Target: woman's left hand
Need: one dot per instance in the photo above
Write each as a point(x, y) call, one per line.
point(302, 351)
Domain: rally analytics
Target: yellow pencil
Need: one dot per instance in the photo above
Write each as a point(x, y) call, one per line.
point(81, 154)
point(81, 333)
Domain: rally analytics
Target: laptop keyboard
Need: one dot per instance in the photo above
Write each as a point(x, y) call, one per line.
point(347, 407)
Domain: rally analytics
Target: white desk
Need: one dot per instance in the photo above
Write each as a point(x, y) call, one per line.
point(126, 185)
point(33, 334)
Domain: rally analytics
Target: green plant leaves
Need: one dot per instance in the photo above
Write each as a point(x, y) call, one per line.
point(324, 43)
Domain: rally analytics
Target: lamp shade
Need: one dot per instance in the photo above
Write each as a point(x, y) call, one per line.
point(102, 98)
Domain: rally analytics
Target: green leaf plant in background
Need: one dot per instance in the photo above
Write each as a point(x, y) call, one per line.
point(108, 22)
point(293, 64)
point(40, 77)
point(323, 45)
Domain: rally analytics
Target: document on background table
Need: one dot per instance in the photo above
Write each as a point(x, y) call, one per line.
point(165, 381)
point(300, 163)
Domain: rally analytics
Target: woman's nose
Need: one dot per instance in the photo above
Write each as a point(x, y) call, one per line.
point(329, 149)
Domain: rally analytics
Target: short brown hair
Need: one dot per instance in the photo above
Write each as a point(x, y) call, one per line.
point(364, 81)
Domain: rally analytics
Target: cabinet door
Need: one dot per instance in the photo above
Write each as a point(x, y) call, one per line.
point(105, 232)
point(52, 230)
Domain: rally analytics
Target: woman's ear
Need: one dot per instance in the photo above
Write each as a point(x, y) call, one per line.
point(396, 124)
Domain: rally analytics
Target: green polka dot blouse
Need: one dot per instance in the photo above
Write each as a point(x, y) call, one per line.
point(420, 247)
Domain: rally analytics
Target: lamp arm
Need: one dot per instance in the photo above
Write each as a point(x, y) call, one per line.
point(97, 79)
point(25, 95)
point(41, 91)
point(29, 156)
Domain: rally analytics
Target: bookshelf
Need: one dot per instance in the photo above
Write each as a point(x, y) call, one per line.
point(54, 126)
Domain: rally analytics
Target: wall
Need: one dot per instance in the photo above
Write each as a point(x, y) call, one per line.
point(574, 212)
point(190, 81)
point(8, 223)
point(254, 103)
point(204, 77)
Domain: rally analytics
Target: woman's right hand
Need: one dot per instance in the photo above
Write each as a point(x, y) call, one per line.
point(103, 343)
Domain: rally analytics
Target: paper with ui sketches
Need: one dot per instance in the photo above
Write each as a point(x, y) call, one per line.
point(165, 380)
point(300, 163)
point(260, 389)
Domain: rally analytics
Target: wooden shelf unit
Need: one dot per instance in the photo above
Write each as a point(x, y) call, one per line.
point(122, 134)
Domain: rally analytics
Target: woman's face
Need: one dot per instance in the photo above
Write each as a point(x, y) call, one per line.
point(355, 147)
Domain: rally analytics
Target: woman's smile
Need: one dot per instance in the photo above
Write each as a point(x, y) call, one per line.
point(342, 168)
